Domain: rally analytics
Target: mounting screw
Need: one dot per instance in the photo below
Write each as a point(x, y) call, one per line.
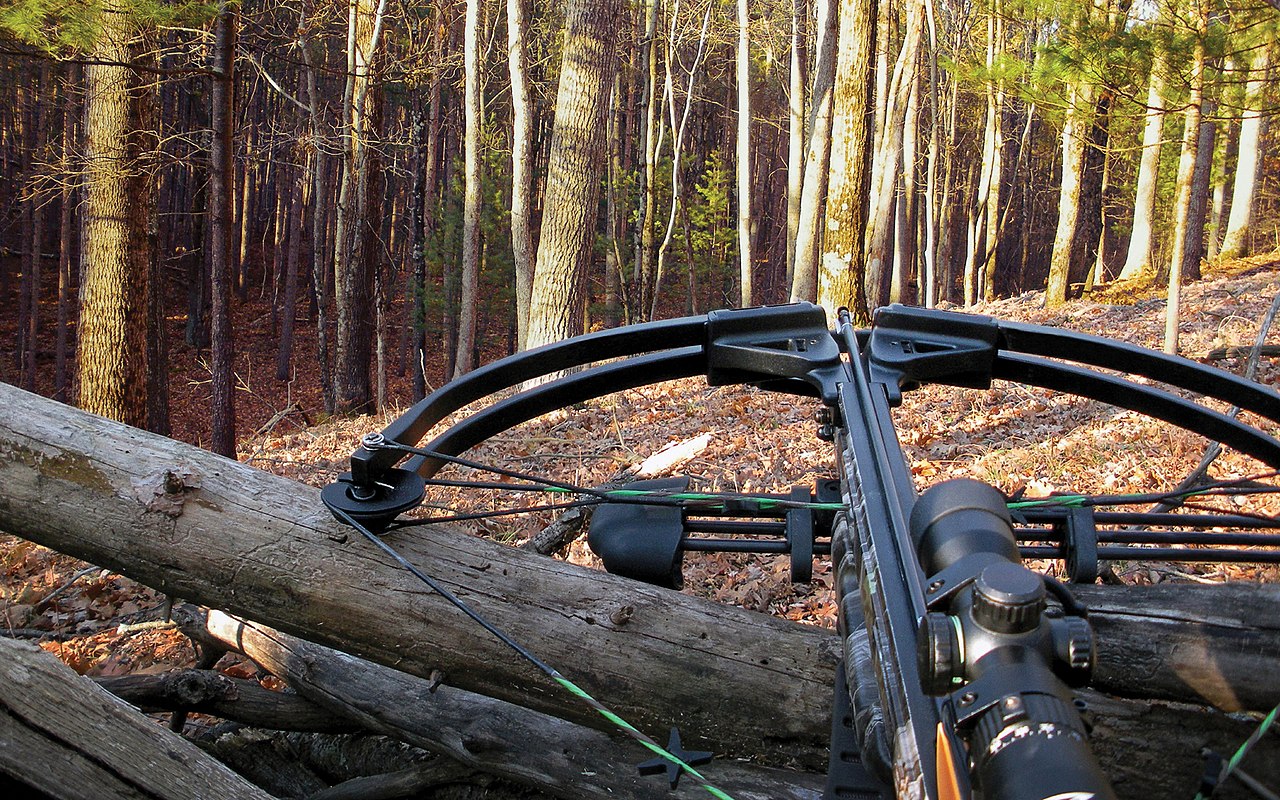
point(827, 433)
point(372, 441)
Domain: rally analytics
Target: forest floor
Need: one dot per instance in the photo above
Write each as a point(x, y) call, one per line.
point(1018, 438)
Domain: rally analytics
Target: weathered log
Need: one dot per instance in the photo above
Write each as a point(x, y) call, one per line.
point(220, 533)
point(1217, 645)
point(502, 739)
point(67, 738)
point(229, 536)
point(237, 699)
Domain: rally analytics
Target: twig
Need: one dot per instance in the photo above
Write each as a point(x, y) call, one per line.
point(1215, 448)
point(51, 596)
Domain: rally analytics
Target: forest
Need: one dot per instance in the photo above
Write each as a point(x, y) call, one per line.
point(401, 191)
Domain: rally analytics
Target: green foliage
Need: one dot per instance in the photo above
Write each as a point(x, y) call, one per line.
point(65, 27)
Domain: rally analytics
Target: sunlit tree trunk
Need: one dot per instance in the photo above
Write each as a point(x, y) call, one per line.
point(1235, 243)
point(115, 248)
point(813, 195)
point(464, 361)
point(886, 172)
point(521, 162)
point(1074, 133)
point(795, 128)
point(1182, 209)
point(574, 171)
point(840, 274)
point(744, 154)
point(1141, 241)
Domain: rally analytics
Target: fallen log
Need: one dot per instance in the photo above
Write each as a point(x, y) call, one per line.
point(1213, 644)
point(101, 748)
point(222, 534)
point(237, 699)
point(487, 735)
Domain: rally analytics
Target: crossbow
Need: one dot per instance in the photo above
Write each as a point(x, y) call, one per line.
point(958, 660)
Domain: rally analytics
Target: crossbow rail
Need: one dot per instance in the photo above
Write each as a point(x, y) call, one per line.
point(906, 586)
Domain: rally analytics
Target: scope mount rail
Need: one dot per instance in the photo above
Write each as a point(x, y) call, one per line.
point(950, 646)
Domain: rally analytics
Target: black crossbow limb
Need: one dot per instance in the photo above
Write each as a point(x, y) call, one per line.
point(958, 660)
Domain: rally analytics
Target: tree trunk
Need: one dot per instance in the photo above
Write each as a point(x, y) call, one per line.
point(1182, 207)
point(841, 276)
point(570, 204)
point(225, 535)
point(116, 252)
point(452, 722)
point(357, 209)
point(464, 360)
point(1073, 144)
point(1249, 166)
point(66, 237)
point(1141, 241)
point(521, 163)
point(795, 128)
point(222, 227)
point(885, 179)
point(745, 182)
point(813, 196)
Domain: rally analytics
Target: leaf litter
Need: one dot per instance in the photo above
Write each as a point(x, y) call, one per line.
point(1018, 438)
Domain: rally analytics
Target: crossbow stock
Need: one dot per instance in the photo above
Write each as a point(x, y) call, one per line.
point(958, 660)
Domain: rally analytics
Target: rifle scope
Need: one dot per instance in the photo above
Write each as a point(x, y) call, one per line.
point(1000, 652)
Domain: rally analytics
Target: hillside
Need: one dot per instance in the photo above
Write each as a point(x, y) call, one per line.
point(1020, 439)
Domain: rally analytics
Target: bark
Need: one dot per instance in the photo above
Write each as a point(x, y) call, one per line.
point(1201, 188)
point(521, 162)
point(321, 253)
point(112, 365)
point(1141, 241)
point(299, 197)
point(358, 208)
point(813, 195)
point(795, 128)
point(464, 360)
point(744, 154)
point(67, 738)
point(574, 172)
point(222, 227)
point(646, 227)
point(236, 699)
point(885, 178)
point(1073, 146)
point(1182, 207)
point(842, 274)
point(1235, 242)
point(66, 239)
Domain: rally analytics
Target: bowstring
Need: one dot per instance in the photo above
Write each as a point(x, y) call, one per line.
point(524, 653)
